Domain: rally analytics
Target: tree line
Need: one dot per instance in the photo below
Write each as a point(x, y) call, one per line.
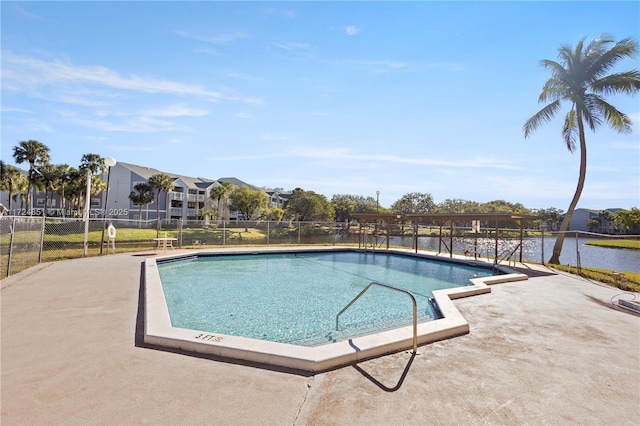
point(303, 205)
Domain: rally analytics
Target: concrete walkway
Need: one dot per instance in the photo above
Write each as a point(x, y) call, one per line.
point(550, 350)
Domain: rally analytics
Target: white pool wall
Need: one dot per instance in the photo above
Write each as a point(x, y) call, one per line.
point(158, 330)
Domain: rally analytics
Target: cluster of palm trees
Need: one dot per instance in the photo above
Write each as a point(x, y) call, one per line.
point(143, 193)
point(43, 176)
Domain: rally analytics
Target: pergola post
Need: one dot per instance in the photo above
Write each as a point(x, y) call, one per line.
point(451, 240)
point(495, 259)
point(388, 232)
point(521, 232)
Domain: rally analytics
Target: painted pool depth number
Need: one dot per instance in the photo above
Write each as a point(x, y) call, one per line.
point(209, 337)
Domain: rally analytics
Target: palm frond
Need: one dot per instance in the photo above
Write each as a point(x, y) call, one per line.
point(587, 108)
point(618, 121)
point(607, 59)
point(553, 89)
point(570, 129)
point(627, 82)
point(544, 115)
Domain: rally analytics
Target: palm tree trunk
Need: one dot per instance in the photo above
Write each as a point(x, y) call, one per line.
point(46, 198)
point(158, 214)
point(557, 248)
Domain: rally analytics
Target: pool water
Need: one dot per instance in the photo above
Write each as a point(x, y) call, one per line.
point(294, 297)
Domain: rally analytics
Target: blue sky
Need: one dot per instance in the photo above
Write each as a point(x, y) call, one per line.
point(333, 97)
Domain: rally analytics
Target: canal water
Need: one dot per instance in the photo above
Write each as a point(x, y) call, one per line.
point(590, 256)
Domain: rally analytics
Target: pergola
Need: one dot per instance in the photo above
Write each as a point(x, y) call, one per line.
point(492, 218)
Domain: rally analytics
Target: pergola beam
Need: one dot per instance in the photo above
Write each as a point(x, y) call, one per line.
point(364, 218)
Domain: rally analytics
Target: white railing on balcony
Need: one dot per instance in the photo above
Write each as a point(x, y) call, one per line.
point(176, 196)
point(192, 212)
point(176, 211)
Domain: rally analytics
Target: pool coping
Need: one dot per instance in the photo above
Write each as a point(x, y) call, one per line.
point(158, 330)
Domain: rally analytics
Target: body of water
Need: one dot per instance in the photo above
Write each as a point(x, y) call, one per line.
point(590, 256)
point(295, 297)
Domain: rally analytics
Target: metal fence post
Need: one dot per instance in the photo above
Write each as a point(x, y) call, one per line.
point(12, 229)
point(42, 239)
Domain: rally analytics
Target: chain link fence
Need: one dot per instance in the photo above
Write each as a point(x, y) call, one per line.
point(26, 241)
point(20, 243)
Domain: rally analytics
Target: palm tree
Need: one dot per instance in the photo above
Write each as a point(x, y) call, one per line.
point(94, 163)
point(12, 179)
point(35, 153)
point(580, 78)
point(65, 179)
point(52, 179)
point(75, 184)
point(221, 192)
point(160, 182)
point(144, 195)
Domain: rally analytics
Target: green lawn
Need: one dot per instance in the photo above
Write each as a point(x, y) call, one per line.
point(630, 280)
point(625, 244)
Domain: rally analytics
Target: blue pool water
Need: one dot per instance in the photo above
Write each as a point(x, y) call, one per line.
point(295, 297)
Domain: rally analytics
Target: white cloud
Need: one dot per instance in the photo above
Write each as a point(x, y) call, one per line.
point(131, 148)
point(337, 154)
point(76, 100)
point(5, 108)
point(28, 14)
point(351, 30)
point(382, 66)
point(291, 46)
point(140, 124)
point(30, 73)
point(271, 137)
point(214, 39)
point(176, 110)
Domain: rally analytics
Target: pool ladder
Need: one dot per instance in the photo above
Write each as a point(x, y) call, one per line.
point(413, 300)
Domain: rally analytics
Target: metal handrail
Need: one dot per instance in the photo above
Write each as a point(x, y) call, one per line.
point(509, 255)
point(413, 300)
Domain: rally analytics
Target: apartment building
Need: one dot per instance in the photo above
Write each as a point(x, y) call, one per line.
point(188, 200)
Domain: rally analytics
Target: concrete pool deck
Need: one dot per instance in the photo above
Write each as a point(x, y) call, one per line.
point(549, 350)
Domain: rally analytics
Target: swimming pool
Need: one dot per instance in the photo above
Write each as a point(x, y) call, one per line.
point(294, 297)
point(274, 336)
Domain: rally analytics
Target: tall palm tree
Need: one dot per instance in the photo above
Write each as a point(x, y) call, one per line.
point(52, 179)
point(160, 182)
point(221, 192)
point(65, 178)
point(580, 78)
point(75, 184)
point(142, 195)
point(35, 153)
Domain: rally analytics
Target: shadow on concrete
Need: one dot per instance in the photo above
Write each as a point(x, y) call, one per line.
point(140, 343)
point(382, 385)
point(532, 273)
point(614, 306)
